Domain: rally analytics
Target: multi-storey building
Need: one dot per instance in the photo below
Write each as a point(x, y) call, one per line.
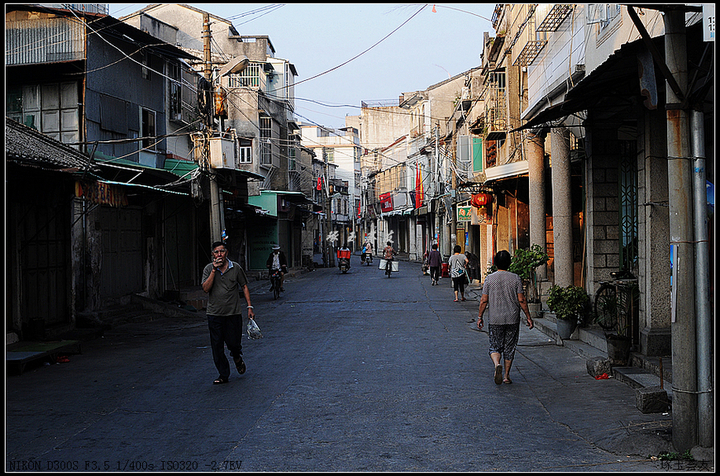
point(255, 93)
point(410, 177)
point(340, 149)
point(116, 95)
point(616, 99)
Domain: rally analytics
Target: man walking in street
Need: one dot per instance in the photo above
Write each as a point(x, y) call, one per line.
point(503, 298)
point(224, 280)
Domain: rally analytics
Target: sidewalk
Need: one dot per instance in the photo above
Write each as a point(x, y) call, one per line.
point(644, 373)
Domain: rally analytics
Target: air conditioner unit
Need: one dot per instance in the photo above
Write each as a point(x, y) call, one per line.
point(223, 153)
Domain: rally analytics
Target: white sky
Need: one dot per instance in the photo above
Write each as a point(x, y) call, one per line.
point(317, 37)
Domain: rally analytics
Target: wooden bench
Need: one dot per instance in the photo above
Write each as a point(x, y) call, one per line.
point(18, 355)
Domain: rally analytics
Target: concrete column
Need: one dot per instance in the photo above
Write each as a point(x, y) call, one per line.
point(561, 206)
point(685, 421)
point(655, 253)
point(535, 150)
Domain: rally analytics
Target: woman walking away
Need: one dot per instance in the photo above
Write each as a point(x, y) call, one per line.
point(503, 298)
point(434, 262)
point(457, 264)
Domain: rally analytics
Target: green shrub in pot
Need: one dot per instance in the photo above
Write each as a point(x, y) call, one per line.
point(567, 303)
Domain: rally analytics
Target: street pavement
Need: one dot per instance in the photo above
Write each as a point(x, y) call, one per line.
point(355, 372)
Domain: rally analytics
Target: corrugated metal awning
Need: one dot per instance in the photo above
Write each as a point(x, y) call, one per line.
point(508, 170)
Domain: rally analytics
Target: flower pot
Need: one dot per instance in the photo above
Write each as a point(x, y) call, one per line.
point(565, 328)
point(618, 348)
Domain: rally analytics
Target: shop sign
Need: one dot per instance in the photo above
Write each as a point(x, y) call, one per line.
point(464, 213)
point(102, 193)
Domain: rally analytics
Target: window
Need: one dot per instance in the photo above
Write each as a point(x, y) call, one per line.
point(175, 92)
point(627, 186)
point(253, 76)
point(292, 162)
point(244, 154)
point(51, 109)
point(148, 131)
point(265, 145)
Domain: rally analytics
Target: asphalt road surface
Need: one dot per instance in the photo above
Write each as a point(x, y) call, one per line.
point(355, 372)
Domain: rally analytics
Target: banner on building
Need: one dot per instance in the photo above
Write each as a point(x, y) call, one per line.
point(419, 195)
point(386, 202)
point(102, 193)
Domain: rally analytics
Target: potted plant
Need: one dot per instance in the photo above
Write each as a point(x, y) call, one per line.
point(524, 264)
point(568, 303)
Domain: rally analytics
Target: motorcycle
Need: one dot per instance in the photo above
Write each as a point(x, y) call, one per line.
point(368, 259)
point(344, 260)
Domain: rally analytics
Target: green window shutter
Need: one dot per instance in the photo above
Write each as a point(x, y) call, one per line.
point(477, 154)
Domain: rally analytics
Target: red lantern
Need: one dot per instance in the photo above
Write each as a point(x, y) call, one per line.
point(481, 200)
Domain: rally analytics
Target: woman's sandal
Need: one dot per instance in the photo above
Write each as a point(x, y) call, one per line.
point(220, 380)
point(507, 380)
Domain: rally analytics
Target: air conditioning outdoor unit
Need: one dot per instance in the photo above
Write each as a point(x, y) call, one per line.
point(223, 153)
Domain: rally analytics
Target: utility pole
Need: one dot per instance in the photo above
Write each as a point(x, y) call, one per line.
point(680, 164)
point(215, 209)
point(453, 172)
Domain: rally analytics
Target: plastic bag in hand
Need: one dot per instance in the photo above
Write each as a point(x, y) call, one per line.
point(253, 330)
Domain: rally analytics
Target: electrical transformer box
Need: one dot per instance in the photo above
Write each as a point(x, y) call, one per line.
point(223, 153)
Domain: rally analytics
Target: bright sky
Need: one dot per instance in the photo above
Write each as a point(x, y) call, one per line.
point(409, 47)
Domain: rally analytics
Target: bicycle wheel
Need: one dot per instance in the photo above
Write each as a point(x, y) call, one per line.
point(276, 288)
point(606, 307)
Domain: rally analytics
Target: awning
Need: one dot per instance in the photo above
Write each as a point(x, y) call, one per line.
point(295, 197)
point(507, 170)
point(607, 86)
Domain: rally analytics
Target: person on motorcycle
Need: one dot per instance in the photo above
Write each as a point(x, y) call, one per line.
point(277, 261)
point(367, 252)
point(388, 254)
point(343, 254)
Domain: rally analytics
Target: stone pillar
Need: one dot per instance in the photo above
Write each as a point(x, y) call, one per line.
point(561, 206)
point(653, 236)
point(535, 150)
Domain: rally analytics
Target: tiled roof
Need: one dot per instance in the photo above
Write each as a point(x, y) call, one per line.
point(27, 146)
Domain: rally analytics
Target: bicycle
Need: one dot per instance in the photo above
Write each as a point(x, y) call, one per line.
point(275, 283)
point(614, 303)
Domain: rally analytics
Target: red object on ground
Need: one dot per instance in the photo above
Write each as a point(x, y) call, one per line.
point(603, 376)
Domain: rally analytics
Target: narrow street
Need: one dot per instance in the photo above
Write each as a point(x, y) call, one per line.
point(355, 372)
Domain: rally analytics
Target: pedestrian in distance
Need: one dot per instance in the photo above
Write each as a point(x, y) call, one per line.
point(503, 298)
point(224, 280)
point(457, 264)
point(277, 261)
point(388, 255)
point(435, 263)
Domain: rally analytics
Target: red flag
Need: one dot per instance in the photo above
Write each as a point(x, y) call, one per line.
point(419, 195)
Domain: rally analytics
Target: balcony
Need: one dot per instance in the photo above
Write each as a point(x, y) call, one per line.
point(557, 14)
point(531, 39)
